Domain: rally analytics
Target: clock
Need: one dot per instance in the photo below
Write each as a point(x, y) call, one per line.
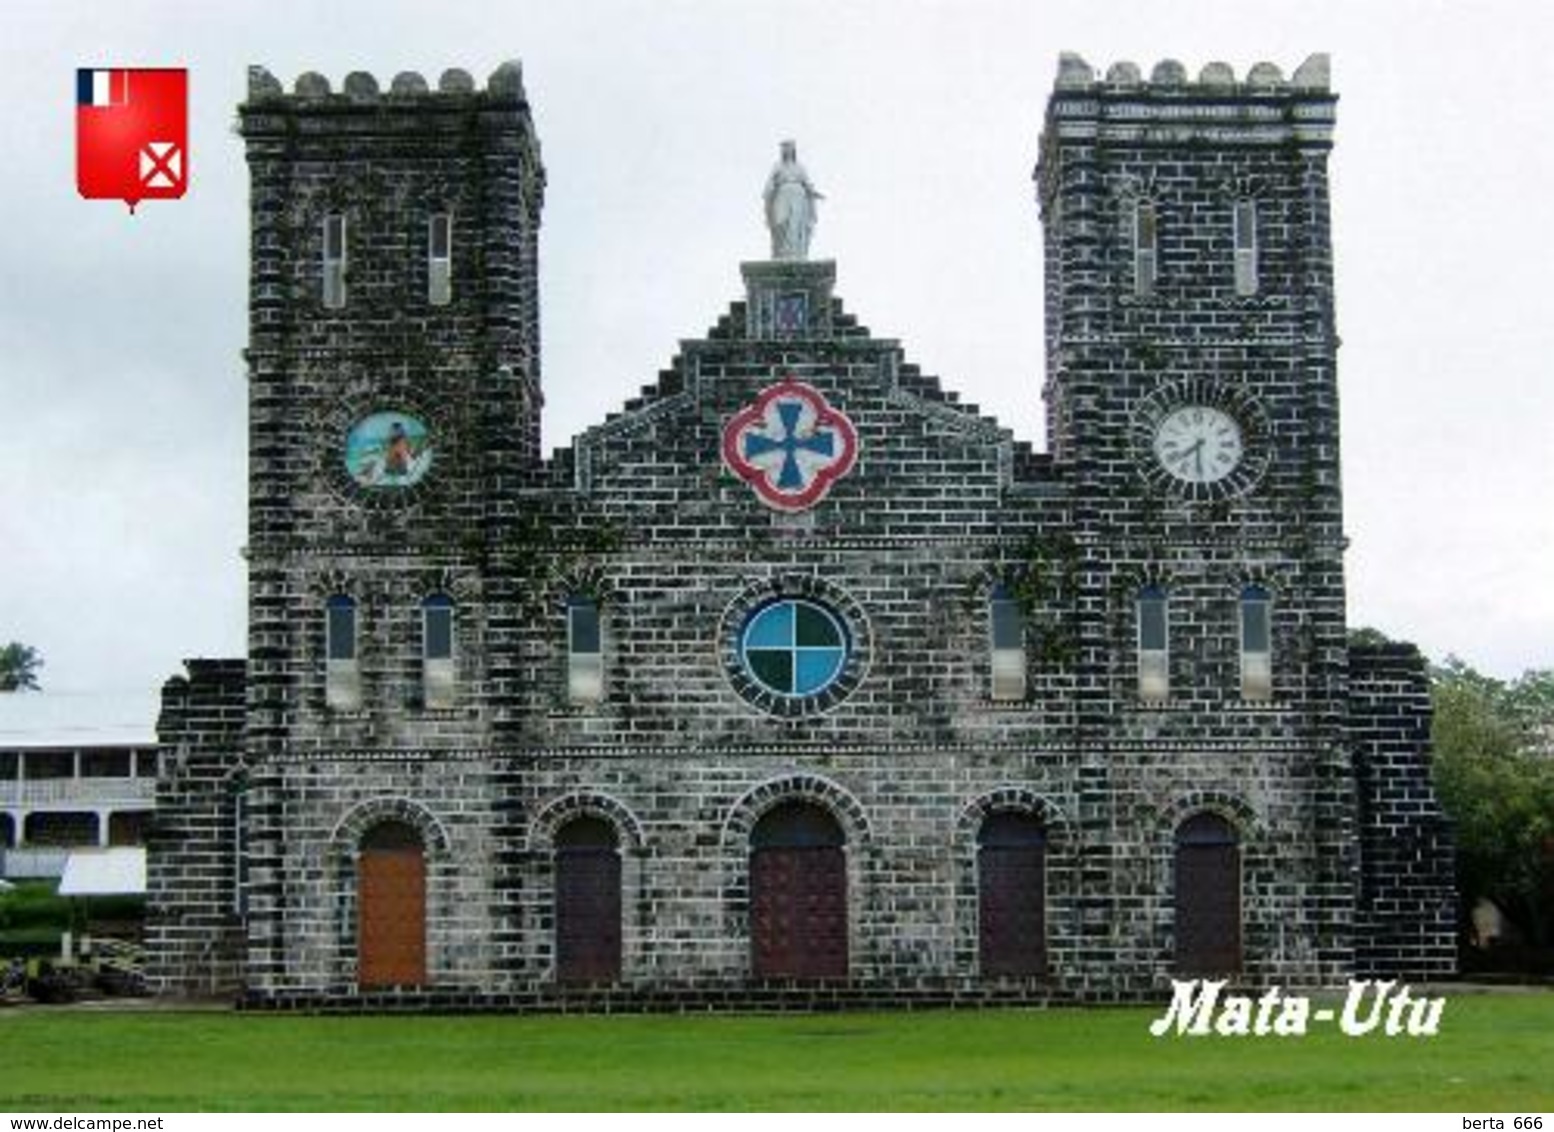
point(1200, 439)
point(1198, 444)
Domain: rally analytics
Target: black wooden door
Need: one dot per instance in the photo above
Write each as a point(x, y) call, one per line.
point(588, 915)
point(1011, 917)
point(1208, 897)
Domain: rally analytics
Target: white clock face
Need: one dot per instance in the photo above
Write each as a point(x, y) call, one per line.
point(1198, 443)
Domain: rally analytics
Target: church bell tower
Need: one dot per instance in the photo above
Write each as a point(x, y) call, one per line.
point(394, 412)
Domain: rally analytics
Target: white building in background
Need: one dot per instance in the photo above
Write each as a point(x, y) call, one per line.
point(76, 771)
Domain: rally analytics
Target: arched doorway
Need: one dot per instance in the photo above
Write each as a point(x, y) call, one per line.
point(1208, 896)
point(391, 907)
point(798, 894)
point(1012, 894)
point(588, 902)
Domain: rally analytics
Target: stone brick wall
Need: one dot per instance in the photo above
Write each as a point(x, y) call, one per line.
point(1406, 911)
point(194, 922)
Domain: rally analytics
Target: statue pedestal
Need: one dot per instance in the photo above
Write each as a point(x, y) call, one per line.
point(788, 298)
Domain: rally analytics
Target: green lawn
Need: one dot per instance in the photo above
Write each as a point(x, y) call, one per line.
point(1494, 1053)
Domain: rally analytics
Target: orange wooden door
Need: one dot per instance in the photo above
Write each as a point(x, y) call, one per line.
point(391, 917)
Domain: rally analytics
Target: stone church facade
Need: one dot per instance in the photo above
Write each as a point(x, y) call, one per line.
point(798, 681)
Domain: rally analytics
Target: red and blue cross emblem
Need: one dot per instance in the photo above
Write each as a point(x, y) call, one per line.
point(790, 445)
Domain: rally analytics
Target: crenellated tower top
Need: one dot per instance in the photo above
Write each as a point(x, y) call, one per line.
point(1189, 268)
point(1263, 109)
point(504, 85)
point(1170, 75)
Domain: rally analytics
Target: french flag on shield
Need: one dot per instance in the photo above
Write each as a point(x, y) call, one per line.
point(132, 133)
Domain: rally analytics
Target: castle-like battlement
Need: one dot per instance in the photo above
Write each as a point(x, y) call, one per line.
point(1312, 76)
point(504, 85)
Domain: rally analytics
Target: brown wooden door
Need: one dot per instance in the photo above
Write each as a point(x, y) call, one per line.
point(391, 911)
point(1208, 897)
point(588, 915)
point(798, 894)
point(1011, 912)
point(798, 921)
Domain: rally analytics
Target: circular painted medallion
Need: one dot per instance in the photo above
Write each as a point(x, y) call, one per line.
point(388, 450)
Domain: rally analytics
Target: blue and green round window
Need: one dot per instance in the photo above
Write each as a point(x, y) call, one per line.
point(794, 648)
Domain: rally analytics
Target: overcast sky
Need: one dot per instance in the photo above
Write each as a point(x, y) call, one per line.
point(123, 392)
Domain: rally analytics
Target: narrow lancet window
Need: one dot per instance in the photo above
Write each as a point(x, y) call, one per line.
point(1256, 644)
point(1246, 247)
point(437, 663)
point(1154, 664)
point(439, 260)
point(585, 657)
point(334, 260)
point(342, 674)
point(1145, 248)
point(1007, 631)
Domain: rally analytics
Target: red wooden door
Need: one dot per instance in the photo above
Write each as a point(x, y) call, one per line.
point(391, 911)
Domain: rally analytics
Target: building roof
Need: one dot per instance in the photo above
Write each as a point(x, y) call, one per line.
point(78, 719)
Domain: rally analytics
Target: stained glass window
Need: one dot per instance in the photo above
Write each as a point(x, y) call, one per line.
point(794, 647)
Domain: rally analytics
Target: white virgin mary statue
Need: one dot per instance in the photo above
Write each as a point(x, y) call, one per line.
point(790, 206)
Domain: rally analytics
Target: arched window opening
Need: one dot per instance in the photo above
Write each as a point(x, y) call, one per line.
point(439, 259)
point(1245, 233)
point(437, 660)
point(1006, 633)
point(1153, 646)
point(342, 673)
point(1146, 254)
point(1256, 644)
point(334, 261)
point(585, 651)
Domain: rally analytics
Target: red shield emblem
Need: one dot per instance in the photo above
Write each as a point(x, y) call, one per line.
point(132, 133)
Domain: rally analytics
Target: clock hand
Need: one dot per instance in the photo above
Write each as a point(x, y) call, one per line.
point(1194, 453)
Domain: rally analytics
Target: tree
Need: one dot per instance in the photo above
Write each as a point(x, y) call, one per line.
point(19, 666)
point(1494, 772)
